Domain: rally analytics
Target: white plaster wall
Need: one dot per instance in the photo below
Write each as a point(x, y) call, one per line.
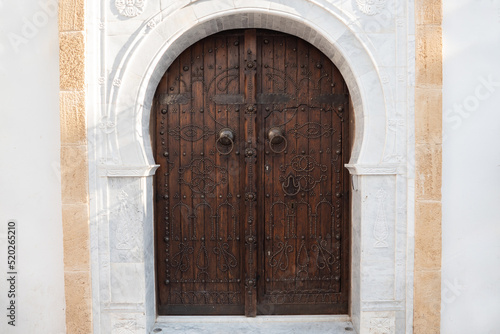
point(471, 167)
point(29, 165)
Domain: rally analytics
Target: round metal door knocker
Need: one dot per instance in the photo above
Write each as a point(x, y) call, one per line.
point(276, 139)
point(225, 139)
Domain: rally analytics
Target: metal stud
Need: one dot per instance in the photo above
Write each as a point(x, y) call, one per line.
point(164, 111)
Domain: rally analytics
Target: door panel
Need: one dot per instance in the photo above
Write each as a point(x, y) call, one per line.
point(198, 206)
point(251, 200)
point(302, 179)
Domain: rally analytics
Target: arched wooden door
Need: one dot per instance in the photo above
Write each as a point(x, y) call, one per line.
point(251, 197)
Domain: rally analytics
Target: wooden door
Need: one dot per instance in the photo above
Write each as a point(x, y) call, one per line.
point(251, 196)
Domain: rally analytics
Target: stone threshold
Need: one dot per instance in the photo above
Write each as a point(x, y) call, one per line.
point(315, 324)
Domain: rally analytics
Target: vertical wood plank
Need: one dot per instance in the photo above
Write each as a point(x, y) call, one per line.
point(250, 172)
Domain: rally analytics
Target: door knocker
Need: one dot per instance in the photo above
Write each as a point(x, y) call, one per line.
point(276, 137)
point(225, 139)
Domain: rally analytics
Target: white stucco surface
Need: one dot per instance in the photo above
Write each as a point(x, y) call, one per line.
point(471, 167)
point(29, 165)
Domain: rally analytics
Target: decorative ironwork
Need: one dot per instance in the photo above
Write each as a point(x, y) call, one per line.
point(205, 297)
point(232, 217)
point(251, 283)
point(251, 242)
point(302, 296)
point(191, 132)
point(293, 183)
point(250, 109)
point(302, 259)
point(249, 152)
point(250, 196)
point(202, 262)
point(279, 259)
point(312, 130)
point(325, 257)
point(225, 259)
point(203, 175)
point(180, 260)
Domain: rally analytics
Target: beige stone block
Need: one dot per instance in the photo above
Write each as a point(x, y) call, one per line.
point(427, 303)
point(429, 54)
point(74, 175)
point(428, 171)
point(71, 15)
point(76, 236)
point(72, 108)
point(72, 60)
point(428, 12)
point(428, 116)
point(428, 235)
point(78, 302)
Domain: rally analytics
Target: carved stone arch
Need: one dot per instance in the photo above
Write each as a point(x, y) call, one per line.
point(152, 53)
point(135, 76)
